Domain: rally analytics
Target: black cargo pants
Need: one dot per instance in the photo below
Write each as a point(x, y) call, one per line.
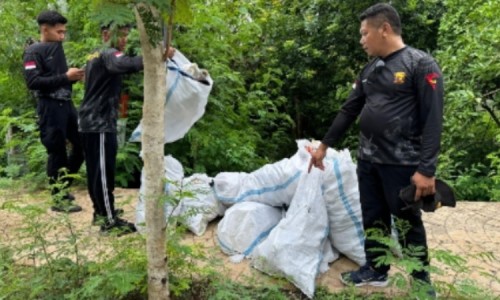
point(58, 123)
point(379, 187)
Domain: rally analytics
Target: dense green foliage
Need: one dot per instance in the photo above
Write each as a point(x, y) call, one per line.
point(469, 42)
point(281, 71)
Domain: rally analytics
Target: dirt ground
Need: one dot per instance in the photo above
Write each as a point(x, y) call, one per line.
point(470, 230)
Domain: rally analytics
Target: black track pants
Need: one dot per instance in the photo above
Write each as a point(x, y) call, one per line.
point(100, 158)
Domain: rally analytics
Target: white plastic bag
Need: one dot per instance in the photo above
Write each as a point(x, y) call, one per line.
point(174, 172)
point(295, 247)
point(273, 184)
point(202, 207)
point(244, 226)
point(329, 255)
point(341, 194)
point(197, 210)
point(185, 100)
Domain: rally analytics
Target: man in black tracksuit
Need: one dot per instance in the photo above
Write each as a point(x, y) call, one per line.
point(399, 100)
point(98, 117)
point(47, 75)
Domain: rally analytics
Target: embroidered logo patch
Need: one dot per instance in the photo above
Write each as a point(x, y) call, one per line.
point(431, 79)
point(30, 65)
point(399, 77)
point(93, 55)
point(118, 54)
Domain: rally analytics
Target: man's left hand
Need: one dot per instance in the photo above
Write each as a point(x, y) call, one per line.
point(425, 186)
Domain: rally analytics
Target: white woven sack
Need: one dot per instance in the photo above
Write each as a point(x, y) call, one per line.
point(329, 255)
point(341, 194)
point(202, 207)
point(245, 225)
point(294, 248)
point(273, 184)
point(184, 103)
point(174, 172)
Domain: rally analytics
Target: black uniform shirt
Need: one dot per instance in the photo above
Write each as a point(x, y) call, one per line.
point(45, 70)
point(399, 100)
point(103, 79)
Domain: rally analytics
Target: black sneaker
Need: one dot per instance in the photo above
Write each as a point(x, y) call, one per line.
point(364, 276)
point(66, 206)
point(99, 220)
point(69, 197)
point(119, 227)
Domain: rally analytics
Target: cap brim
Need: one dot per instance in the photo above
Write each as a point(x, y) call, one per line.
point(446, 193)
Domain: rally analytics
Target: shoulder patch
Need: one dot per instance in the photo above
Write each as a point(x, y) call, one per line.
point(93, 55)
point(118, 54)
point(30, 65)
point(431, 79)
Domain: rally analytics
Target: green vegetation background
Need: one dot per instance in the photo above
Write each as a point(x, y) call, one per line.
point(281, 71)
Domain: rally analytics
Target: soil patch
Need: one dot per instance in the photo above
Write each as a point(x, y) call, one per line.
point(470, 230)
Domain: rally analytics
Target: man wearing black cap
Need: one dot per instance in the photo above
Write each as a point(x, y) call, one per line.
point(398, 97)
point(47, 75)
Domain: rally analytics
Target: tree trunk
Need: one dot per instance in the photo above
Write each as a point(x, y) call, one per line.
point(155, 90)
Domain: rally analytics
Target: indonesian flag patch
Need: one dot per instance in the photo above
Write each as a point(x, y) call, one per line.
point(118, 54)
point(431, 79)
point(30, 65)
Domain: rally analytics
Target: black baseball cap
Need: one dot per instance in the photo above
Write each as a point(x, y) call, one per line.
point(444, 196)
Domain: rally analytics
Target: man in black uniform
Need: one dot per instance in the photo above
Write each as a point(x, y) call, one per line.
point(399, 100)
point(47, 75)
point(98, 117)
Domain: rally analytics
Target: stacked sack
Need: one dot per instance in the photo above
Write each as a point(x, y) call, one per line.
point(322, 218)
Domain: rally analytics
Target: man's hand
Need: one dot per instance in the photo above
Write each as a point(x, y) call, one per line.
point(170, 53)
point(75, 74)
point(425, 186)
point(317, 157)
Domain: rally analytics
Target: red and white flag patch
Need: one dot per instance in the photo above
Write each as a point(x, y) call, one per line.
point(30, 65)
point(118, 54)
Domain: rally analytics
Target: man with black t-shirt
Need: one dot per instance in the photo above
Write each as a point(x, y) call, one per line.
point(398, 97)
point(47, 75)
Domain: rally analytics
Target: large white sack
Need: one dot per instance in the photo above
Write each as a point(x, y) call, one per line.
point(273, 184)
point(174, 172)
point(198, 207)
point(341, 195)
point(329, 255)
point(201, 206)
point(185, 100)
point(245, 225)
point(294, 248)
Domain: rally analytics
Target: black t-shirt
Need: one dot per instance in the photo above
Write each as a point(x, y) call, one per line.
point(45, 70)
point(399, 101)
point(103, 79)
